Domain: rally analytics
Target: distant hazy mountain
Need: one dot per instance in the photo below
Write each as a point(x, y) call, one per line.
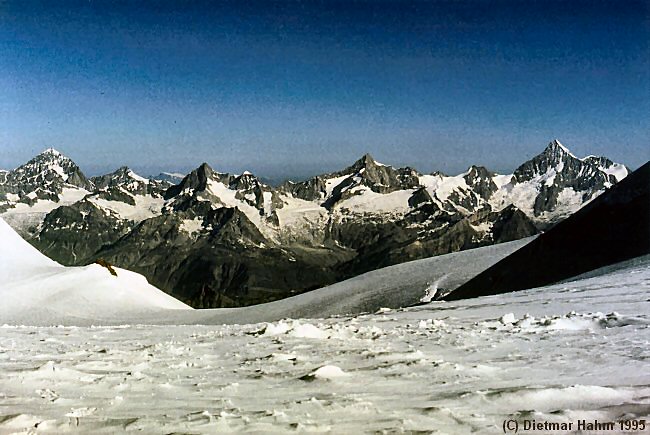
point(218, 239)
point(171, 177)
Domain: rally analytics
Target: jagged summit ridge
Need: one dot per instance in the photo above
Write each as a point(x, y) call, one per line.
point(220, 239)
point(556, 146)
point(125, 181)
point(51, 151)
point(49, 166)
point(44, 177)
point(556, 178)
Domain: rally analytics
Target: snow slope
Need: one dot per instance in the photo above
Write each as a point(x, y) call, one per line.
point(394, 287)
point(563, 353)
point(23, 217)
point(37, 289)
point(389, 287)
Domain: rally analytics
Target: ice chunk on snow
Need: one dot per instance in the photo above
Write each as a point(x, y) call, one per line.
point(294, 329)
point(307, 330)
point(278, 328)
point(329, 372)
point(507, 319)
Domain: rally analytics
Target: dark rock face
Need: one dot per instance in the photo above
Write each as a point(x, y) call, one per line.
point(419, 197)
point(511, 224)
point(481, 181)
point(116, 194)
point(195, 180)
point(378, 177)
point(227, 262)
point(72, 235)
point(252, 191)
point(313, 189)
point(612, 228)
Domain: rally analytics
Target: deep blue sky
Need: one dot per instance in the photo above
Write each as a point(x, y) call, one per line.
point(295, 88)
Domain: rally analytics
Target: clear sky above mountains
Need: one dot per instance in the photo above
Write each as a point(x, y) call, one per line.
point(303, 87)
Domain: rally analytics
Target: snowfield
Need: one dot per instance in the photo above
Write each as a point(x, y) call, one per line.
point(38, 290)
point(577, 350)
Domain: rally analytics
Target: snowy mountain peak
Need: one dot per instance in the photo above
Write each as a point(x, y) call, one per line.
point(125, 179)
point(49, 179)
point(557, 176)
point(556, 144)
point(557, 151)
point(617, 170)
point(45, 176)
point(52, 152)
point(125, 172)
point(555, 158)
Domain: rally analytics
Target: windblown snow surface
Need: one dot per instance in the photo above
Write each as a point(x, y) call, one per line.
point(577, 350)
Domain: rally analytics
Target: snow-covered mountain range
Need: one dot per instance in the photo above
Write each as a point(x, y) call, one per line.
point(217, 239)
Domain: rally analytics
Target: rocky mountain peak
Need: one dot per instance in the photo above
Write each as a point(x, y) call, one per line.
point(477, 172)
point(195, 180)
point(245, 181)
point(125, 179)
point(205, 170)
point(366, 162)
point(378, 177)
point(51, 152)
point(481, 181)
point(556, 146)
point(557, 170)
point(42, 178)
point(555, 153)
point(555, 157)
point(48, 167)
